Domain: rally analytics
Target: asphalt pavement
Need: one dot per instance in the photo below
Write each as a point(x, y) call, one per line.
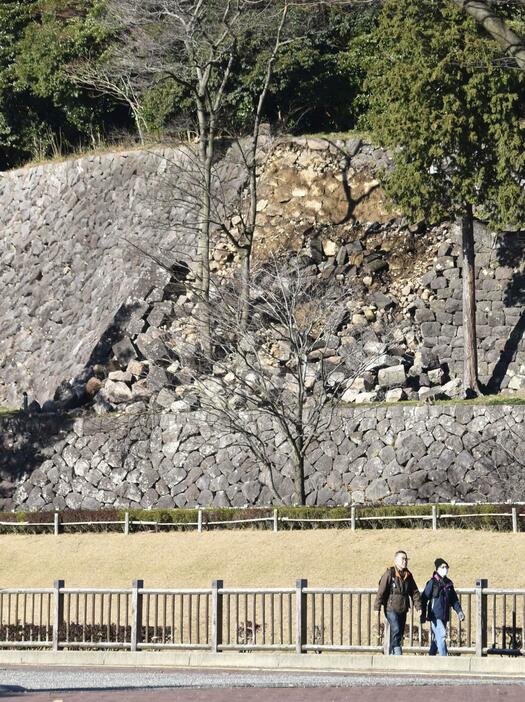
point(33, 684)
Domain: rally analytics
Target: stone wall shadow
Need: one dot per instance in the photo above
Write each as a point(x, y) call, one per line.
point(511, 254)
point(26, 441)
point(115, 331)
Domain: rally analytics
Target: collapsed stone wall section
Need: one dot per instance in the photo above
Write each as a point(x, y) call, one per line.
point(70, 277)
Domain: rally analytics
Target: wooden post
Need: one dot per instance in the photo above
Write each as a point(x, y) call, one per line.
point(216, 615)
point(58, 612)
point(126, 523)
point(515, 525)
point(434, 517)
point(481, 616)
point(352, 517)
point(300, 615)
point(136, 613)
point(275, 521)
point(56, 523)
point(386, 638)
point(199, 520)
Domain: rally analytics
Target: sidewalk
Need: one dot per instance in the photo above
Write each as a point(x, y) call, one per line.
point(490, 667)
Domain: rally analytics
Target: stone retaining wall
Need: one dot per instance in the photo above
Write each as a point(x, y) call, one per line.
point(399, 454)
point(73, 283)
point(500, 315)
point(67, 267)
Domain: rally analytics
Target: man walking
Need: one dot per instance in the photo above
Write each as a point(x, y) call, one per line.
point(396, 588)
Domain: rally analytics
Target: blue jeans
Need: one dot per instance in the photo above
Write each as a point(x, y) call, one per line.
point(397, 629)
point(439, 644)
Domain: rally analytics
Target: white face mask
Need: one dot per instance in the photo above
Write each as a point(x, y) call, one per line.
point(442, 571)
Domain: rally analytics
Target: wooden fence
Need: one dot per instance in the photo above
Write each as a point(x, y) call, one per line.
point(436, 517)
point(299, 619)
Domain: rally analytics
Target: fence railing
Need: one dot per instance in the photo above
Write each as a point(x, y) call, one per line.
point(299, 619)
point(436, 517)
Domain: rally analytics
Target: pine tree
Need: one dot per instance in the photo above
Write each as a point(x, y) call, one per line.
point(452, 117)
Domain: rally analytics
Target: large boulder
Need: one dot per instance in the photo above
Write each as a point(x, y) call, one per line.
point(392, 377)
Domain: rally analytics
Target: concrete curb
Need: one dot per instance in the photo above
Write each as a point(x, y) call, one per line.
point(327, 662)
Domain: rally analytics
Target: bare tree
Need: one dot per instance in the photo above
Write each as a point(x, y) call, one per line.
point(194, 43)
point(104, 78)
point(283, 373)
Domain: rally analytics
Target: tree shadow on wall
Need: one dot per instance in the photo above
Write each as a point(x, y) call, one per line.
point(511, 254)
point(352, 202)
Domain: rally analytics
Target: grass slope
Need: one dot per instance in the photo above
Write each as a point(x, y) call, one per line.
point(256, 558)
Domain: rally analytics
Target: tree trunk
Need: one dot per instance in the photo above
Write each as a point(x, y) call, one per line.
point(470, 351)
point(298, 481)
point(138, 124)
point(245, 260)
point(206, 148)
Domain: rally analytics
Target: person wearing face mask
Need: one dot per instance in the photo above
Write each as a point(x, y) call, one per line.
point(437, 598)
point(395, 590)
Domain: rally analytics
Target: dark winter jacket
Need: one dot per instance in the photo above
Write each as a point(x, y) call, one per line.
point(395, 591)
point(438, 597)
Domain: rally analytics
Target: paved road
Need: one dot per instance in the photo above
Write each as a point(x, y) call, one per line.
point(355, 694)
point(103, 685)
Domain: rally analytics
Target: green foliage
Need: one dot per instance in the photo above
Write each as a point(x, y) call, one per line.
point(452, 115)
point(42, 111)
point(318, 75)
point(161, 104)
point(317, 82)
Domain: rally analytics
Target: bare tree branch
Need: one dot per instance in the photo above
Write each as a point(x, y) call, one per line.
point(496, 27)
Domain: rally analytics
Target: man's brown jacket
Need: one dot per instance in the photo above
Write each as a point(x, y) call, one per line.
point(395, 592)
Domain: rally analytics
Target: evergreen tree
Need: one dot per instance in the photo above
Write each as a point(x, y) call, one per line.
point(452, 116)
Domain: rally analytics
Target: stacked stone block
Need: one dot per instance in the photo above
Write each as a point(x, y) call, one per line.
point(500, 316)
point(390, 455)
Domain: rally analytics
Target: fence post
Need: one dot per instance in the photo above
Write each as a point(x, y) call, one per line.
point(126, 523)
point(352, 518)
point(58, 612)
point(481, 616)
point(386, 637)
point(199, 520)
point(275, 521)
point(216, 615)
point(136, 613)
point(56, 523)
point(515, 525)
point(434, 517)
point(300, 615)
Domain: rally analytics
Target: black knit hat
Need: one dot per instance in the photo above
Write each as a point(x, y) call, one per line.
point(439, 562)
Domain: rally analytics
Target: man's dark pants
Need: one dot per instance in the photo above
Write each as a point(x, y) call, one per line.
point(397, 629)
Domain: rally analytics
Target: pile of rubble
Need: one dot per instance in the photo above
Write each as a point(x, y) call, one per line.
point(151, 363)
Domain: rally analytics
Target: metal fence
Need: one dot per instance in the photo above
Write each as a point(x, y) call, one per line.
point(300, 619)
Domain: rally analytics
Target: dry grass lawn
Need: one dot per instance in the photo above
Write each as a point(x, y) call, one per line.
point(257, 558)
